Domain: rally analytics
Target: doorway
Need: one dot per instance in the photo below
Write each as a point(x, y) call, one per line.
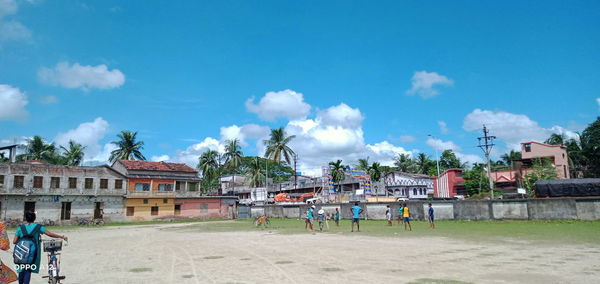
point(29, 207)
point(99, 210)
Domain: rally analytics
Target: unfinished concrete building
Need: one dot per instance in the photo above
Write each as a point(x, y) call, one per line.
point(61, 194)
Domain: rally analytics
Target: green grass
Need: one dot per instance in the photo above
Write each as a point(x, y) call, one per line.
point(140, 269)
point(496, 231)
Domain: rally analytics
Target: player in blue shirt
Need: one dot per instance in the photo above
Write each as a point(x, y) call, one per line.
point(430, 217)
point(356, 211)
point(309, 218)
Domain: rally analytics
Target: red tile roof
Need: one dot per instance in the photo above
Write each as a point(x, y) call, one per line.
point(156, 166)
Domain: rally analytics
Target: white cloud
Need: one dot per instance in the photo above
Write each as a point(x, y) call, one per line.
point(192, 153)
point(511, 128)
point(441, 146)
point(11, 30)
point(407, 138)
point(423, 83)
point(160, 158)
point(443, 127)
point(89, 135)
point(48, 100)
point(13, 103)
point(341, 115)
point(83, 77)
point(244, 132)
point(598, 101)
point(288, 104)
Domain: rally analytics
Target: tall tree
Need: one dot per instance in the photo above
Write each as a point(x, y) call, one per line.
point(254, 172)
point(590, 148)
point(233, 156)
point(209, 165)
point(448, 160)
point(37, 149)
point(375, 171)
point(338, 173)
point(363, 164)
point(128, 148)
point(424, 164)
point(73, 155)
point(508, 158)
point(556, 139)
point(404, 163)
point(277, 146)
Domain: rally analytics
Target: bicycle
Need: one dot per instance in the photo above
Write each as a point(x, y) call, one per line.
point(52, 247)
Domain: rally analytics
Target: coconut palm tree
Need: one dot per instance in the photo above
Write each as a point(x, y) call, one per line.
point(127, 147)
point(254, 172)
point(277, 146)
point(423, 163)
point(37, 149)
point(509, 157)
point(73, 155)
point(363, 164)
point(404, 163)
point(338, 173)
point(375, 172)
point(233, 156)
point(209, 165)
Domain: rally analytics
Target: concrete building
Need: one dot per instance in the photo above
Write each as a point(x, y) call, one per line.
point(449, 184)
point(61, 194)
point(556, 153)
point(152, 188)
point(410, 186)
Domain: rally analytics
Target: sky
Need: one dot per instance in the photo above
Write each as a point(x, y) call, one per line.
point(351, 79)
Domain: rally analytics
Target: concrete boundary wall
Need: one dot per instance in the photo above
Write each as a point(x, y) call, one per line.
point(514, 209)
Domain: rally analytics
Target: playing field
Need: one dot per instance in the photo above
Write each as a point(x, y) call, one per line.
point(238, 252)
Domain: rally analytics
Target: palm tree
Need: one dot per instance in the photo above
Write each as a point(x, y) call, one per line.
point(277, 146)
point(423, 163)
point(73, 156)
point(338, 173)
point(254, 173)
point(363, 164)
point(37, 149)
point(509, 157)
point(233, 156)
point(127, 147)
point(209, 164)
point(404, 163)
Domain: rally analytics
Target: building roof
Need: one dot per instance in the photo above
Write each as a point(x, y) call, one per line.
point(544, 144)
point(156, 166)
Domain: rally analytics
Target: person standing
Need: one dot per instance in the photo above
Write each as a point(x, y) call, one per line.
point(430, 217)
point(400, 213)
point(337, 217)
point(356, 211)
point(406, 217)
point(388, 215)
point(321, 217)
point(309, 218)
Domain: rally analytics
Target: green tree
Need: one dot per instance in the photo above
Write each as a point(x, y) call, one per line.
point(277, 146)
point(128, 148)
point(338, 173)
point(476, 180)
point(73, 154)
point(37, 149)
point(448, 160)
point(556, 139)
point(363, 164)
point(209, 165)
point(424, 164)
point(508, 158)
point(233, 156)
point(590, 148)
point(254, 172)
point(375, 171)
point(405, 163)
point(541, 169)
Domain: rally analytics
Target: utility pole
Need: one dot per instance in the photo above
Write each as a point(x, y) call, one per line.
point(295, 170)
point(437, 159)
point(486, 143)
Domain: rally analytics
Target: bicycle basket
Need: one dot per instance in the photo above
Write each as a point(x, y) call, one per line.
point(52, 245)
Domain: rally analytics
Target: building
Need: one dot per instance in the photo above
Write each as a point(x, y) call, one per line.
point(449, 184)
point(61, 194)
point(557, 154)
point(411, 186)
point(152, 188)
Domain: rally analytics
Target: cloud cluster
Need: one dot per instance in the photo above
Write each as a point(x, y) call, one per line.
point(85, 77)
point(11, 30)
point(88, 134)
point(511, 128)
point(191, 154)
point(443, 127)
point(424, 83)
point(286, 104)
point(441, 146)
point(13, 102)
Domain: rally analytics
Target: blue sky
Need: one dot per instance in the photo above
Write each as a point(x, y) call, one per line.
point(181, 74)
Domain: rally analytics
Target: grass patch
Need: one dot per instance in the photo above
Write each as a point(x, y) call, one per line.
point(436, 281)
point(332, 269)
point(187, 276)
point(140, 269)
point(540, 231)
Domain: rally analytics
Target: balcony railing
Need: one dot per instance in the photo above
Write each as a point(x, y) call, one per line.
point(60, 191)
point(150, 194)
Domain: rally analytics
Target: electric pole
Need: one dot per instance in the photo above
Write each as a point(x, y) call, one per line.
point(486, 143)
point(295, 171)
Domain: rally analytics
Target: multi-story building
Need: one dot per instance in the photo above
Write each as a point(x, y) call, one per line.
point(410, 186)
point(557, 154)
point(61, 194)
point(449, 184)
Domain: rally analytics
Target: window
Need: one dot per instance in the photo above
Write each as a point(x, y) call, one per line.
point(165, 187)
point(38, 181)
point(165, 201)
point(142, 187)
point(154, 211)
point(1, 181)
point(103, 183)
point(130, 210)
point(414, 191)
point(527, 147)
point(72, 182)
point(118, 184)
point(65, 211)
point(28, 207)
point(54, 182)
point(145, 201)
point(89, 183)
point(179, 185)
point(177, 209)
point(192, 186)
point(18, 181)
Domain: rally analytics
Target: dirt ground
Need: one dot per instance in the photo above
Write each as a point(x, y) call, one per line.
point(183, 253)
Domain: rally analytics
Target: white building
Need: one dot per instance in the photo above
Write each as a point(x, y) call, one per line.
point(411, 186)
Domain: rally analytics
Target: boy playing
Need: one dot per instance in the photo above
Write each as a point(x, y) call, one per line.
point(406, 216)
point(400, 213)
point(36, 230)
point(356, 211)
point(430, 217)
point(388, 215)
point(337, 217)
point(309, 218)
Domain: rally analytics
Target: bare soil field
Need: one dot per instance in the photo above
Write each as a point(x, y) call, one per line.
point(187, 253)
